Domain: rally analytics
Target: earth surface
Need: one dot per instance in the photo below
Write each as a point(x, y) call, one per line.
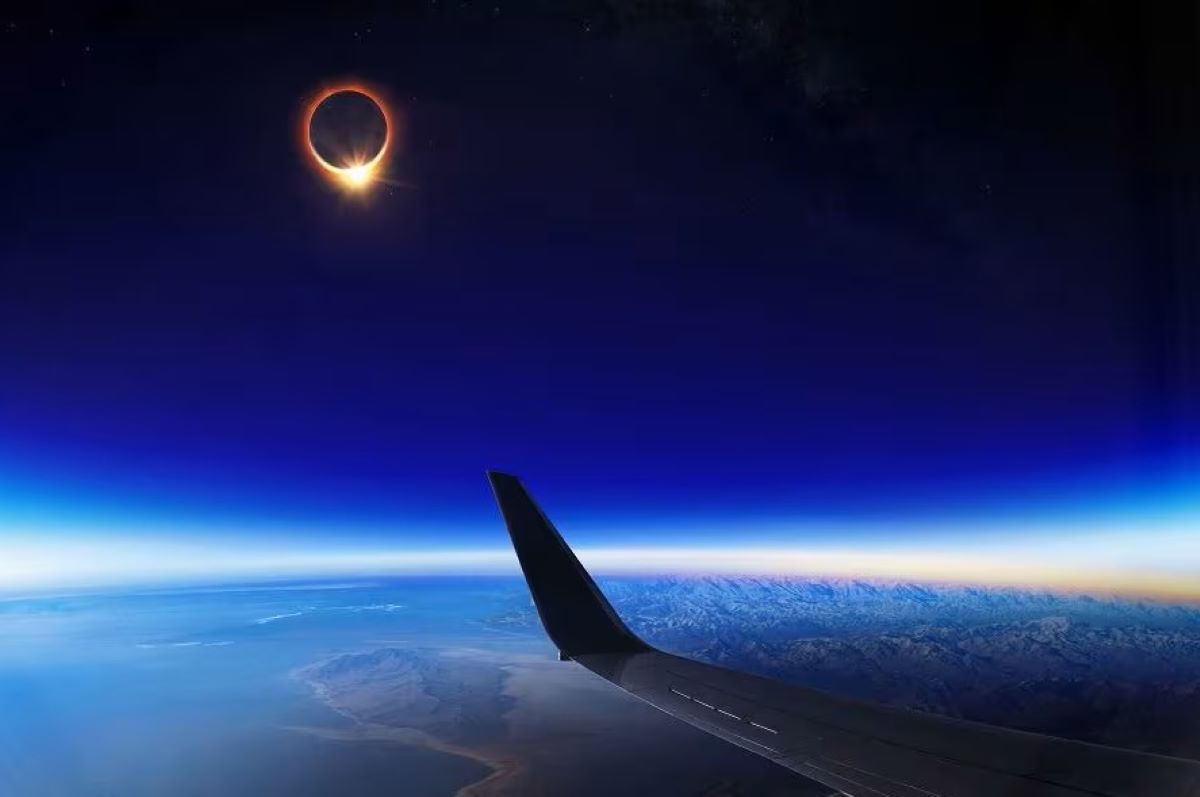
point(447, 687)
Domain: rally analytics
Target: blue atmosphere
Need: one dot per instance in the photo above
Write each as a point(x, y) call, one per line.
point(710, 301)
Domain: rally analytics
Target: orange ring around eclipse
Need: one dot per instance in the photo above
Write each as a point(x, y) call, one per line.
point(357, 174)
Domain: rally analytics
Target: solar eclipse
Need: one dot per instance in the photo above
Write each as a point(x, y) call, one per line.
point(347, 132)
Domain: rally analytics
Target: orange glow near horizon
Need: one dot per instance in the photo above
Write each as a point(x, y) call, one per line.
point(363, 168)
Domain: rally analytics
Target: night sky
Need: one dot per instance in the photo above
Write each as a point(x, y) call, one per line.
point(668, 262)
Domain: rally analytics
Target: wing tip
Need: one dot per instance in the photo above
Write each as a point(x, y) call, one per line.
point(574, 611)
point(499, 479)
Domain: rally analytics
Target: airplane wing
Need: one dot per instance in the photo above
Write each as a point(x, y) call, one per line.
point(855, 747)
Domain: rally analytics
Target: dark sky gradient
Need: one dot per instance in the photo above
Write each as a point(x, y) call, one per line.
point(653, 264)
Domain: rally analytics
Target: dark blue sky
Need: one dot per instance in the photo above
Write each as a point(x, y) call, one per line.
point(658, 269)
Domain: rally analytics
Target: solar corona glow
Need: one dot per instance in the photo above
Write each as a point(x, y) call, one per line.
point(347, 133)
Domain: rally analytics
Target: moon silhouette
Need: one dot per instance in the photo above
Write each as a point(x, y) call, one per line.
point(348, 133)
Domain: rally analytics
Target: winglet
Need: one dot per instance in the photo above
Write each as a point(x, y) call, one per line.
point(574, 612)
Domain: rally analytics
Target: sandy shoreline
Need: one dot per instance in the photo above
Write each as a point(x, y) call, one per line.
point(504, 769)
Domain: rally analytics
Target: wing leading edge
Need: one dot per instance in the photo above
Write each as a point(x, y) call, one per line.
point(856, 747)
